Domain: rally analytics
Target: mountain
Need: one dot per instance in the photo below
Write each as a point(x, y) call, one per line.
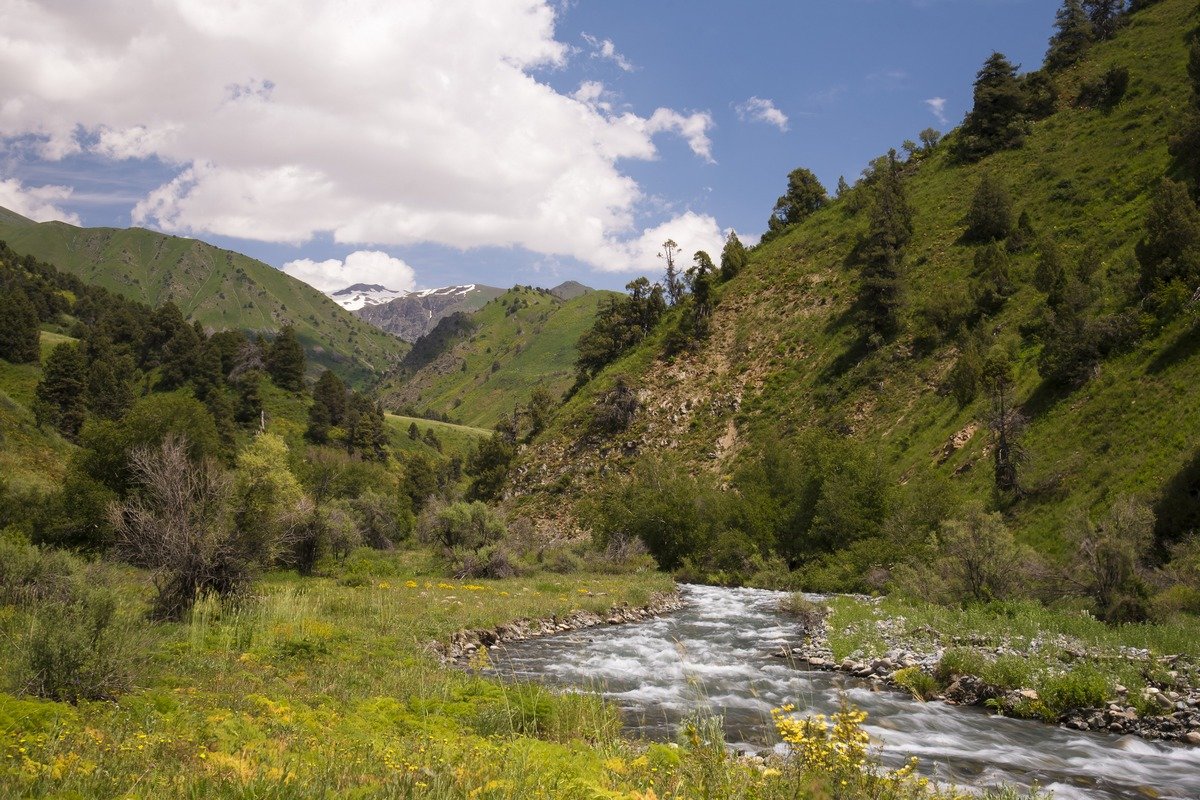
point(219, 288)
point(478, 367)
point(569, 290)
point(785, 354)
point(411, 315)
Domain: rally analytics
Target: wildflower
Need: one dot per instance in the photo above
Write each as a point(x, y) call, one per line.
point(410, 584)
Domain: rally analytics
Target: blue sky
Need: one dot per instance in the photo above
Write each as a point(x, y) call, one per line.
point(424, 143)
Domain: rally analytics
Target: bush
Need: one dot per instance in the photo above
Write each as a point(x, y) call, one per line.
point(460, 526)
point(1007, 673)
point(79, 650)
point(1084, 687)
point(29, 575)
point(493, 562)
point(810, 614)
point(957, 662)
point(921, 685)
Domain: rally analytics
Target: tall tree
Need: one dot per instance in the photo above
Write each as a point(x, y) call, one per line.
point(19, 335)
point(108, 392)
point(805, 194)
point(59, 399)
point(672, 282)
point(285, 361)
point(365, 428)
point(1073, 34)
point(991, 214)
point(179, 357)
point(733, 257)
point(1006, 421)
point(331, 392)
point(882, 292)
point(997, 119)
point(1105, 15)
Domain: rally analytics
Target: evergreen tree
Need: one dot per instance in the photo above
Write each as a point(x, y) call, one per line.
point(59, 397)
point(1105, 15)
point(220, 403)
point(882, 292)
point(330, 391)
point(1050, 276)
point(994, 285)
point(248, 408)
point(967, 372)
point(166, 321)
point(207, 376)
point(1184, 145)
point(673, 282)
point(1073, 34)
point(488, 467)
point(432, 440)
point(1170, 250)
point(1006, 421)
point(366, 431)
point(996, 121)
point(179, 357)
point(733, 257)
point(991, 214)
point(19, 334)
point(109, 389)
point(285, 361)
point(318, 423)
point(805, 194)
point(414, 432)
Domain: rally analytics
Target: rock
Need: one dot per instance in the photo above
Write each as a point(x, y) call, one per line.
point(1192, 737)
point(1027, 694)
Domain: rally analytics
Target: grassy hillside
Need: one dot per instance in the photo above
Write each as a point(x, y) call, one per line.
point(457, 440)
point(29, 458)
point(523, 340)
point(220, 288)
point(786, 355)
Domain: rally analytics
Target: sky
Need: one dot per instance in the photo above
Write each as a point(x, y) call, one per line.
point(422, 143)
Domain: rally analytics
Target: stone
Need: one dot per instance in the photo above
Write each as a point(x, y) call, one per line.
point(1192, 737)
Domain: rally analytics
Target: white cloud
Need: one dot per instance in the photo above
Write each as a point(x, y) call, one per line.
point(38, 203)
point(938, 106)
point(361, 266)
point(605, 49)
point(758, 109)
point(373, 122)
point(691, 231)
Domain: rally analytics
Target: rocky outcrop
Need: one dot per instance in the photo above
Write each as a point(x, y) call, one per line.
point(463, 645)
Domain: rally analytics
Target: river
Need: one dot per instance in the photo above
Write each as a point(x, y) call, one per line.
point(715, 656)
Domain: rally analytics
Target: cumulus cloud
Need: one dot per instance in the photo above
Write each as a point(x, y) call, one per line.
point(938, 106)
point(605, 49)
point(38, 203)
point(758, 109)
point(691, 231)
point(361, 266)
point(292, 118)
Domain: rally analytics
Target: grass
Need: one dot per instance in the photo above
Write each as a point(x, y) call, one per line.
point(456, 439)
point(327, 687)
point(785, 347)
point(512, 353)
point(29, 457)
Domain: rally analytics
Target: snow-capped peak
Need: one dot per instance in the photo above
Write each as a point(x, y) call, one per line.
point(360, 295)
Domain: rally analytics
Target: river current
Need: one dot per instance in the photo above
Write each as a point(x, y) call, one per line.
point(715, 656)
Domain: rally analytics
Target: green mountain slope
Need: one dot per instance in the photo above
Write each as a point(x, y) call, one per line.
point(785, 353)
point(29, 457)
point(522, 340)
point(220, 288)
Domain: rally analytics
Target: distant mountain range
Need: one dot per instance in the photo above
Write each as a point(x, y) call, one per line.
point(410, 315)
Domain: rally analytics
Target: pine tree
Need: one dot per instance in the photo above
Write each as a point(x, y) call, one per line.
point(59, 397)
point(673, 283)
point(366, 433)
point(1105, 15)
point(996, 121)
point(805, 195)
point(1170, 251)
point(208, 375)
point(991, 214)
point(882, 292)
point(733, 257)
point(179, 358)
point(1006, 422)
point(19, 334)
point(285, 361)
point(220, 404)
point(248, 409)
point(166, 321)
point(1073, 34)
point(414, 432)
point(1050, 276)
point(318, 423)
point(331, 392)
point(109, 390)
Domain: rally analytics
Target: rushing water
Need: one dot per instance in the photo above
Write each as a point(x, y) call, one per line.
point(715, 656)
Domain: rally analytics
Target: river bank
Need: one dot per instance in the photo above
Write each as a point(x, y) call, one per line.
point(1050, 676)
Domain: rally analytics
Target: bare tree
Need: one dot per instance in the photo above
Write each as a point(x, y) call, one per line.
point(178, 526)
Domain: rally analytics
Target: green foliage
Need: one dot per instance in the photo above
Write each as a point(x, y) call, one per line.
point(285, 360)
point(991, 215)
point(1170, 250)
point(882, 254)
point(978, 558)
point(445, 334)
point(620, 324)
point(59, 402)
point(804, 195)
point(466, 526)
point(1105, 91)
point(18, 326)
point(966, 375)
point(488, 466)
point(1108, 558)
point(1081, 687)
point(1072, 37)
point(733, 257)
point(921, 685)
point(997, 118)
point(366, 432)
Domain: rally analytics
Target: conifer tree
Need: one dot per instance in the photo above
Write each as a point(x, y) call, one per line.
point(285, 361)
point(1170, 250)
point(1050, 276)
point(733, 257)
point(248, 408)
point(991, 214)
point(365, 428)
point(166, 321)
point(996, 121)
point(19, 334)
point(1105, 15)
point(672, 282)
point(1073, 34)
point(220, 404)
point(59, 397)
point(882, 292)
point(207, 376)
point(108, 392)
point(805, 194)
point(414, 432)
point(318, 423)
point(331, 392)
point(179, 357)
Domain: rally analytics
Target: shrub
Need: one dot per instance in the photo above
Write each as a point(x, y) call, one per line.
point(809, 613)
point(29, 575)
point(1007, 673)
point(921, 685)
point(466, 526)
point(1083, 687)
point(492, 561)
point(958, 662)
point(614, 410)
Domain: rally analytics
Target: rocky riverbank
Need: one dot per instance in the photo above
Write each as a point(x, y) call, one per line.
point(1168, 708)
point(464, 645)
